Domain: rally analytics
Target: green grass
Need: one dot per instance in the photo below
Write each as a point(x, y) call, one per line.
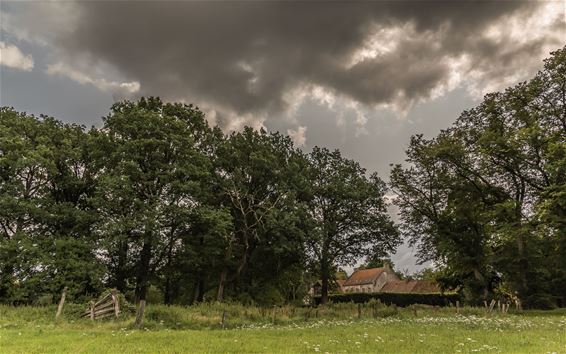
point(336, 329)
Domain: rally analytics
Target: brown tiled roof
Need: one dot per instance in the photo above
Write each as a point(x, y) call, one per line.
point(363, 276)
point(411, 286)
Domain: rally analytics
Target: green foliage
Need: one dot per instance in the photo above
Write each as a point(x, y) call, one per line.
point(484, 199)
point(347, 214)
point(269, 296)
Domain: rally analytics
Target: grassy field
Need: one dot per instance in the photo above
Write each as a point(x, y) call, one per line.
point(333, 329)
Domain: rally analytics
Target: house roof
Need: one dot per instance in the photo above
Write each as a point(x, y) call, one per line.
point(340, 282)
point(364, 276)
point(411, 286)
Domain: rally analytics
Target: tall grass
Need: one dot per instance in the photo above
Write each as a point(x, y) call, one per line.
point(224, 315)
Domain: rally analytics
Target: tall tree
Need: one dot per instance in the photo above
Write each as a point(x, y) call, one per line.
point(153, 174)
point(46, 177)
point(260, 172)
point(491, 182)
point(348, 214)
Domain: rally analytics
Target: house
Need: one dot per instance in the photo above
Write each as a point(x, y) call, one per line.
point(369, 280)
point(411, 286)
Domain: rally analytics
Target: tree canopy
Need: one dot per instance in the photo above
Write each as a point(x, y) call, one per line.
point(485, 198)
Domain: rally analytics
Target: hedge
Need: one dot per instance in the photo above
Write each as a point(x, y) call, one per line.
point(399, 299)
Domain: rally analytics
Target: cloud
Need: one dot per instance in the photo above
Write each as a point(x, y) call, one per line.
point(298, 135)
point(119, 90)
point(12, 57)
point(251, 62)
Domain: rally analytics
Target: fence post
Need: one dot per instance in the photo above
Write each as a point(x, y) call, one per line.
point(491, 305)
point(116, 303)
point(92, 310)
point(61, 303)
point(274, 313)
point(457, 306)
point(359, 310)
point(223, 323)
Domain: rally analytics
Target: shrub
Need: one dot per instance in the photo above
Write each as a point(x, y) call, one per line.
point(399, 299)
point(268, 296)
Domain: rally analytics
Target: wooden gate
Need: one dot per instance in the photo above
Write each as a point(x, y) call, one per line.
point(109, 305)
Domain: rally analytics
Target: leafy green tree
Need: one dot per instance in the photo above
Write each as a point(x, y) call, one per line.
point(377, 262)
point(347, 212)
point(479, 198)
point(260, 173)
point(153, 174)
point(45, 180)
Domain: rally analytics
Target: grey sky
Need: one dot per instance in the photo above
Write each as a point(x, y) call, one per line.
point(358, 76)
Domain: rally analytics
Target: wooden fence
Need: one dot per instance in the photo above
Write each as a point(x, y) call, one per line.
point(109, 305)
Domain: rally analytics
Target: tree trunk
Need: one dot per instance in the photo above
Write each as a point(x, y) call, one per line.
point(221, 283)
point(121, 272)
point(479, 277)
point(168, 296)
point(140, 313)
point(224, 274)
point(200, 288)
point(143, 279)
point(523, 264)
point(324, 275)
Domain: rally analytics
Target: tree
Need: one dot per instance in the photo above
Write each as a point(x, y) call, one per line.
point(153, 174)
point(377, 262)
point(46, 177)
point(260, 173)
point(347, 212)
point(478, 197)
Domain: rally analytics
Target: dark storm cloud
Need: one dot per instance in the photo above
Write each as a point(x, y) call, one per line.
point(244, 56)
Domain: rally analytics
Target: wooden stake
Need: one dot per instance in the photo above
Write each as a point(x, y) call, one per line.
point(61, 303)
point(92, 310)
point(491, 305)
point(116, 303)
point(223, 323)
point(274, 313)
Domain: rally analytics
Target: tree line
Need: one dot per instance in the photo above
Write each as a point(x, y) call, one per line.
point(156, 202)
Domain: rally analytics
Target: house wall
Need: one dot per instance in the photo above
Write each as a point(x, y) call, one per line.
point(382, 279)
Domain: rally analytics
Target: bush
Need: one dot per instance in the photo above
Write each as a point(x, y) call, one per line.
point(268, 296)
point(154, 295)
point(541, 302)
point(44, 300)
point(399, 299)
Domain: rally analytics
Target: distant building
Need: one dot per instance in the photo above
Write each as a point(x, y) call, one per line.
point(369, 280)
point(384, 279)
point(411, 287)
point(376, 280)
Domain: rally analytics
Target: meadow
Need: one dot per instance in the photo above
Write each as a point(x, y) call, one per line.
point(337, 328)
